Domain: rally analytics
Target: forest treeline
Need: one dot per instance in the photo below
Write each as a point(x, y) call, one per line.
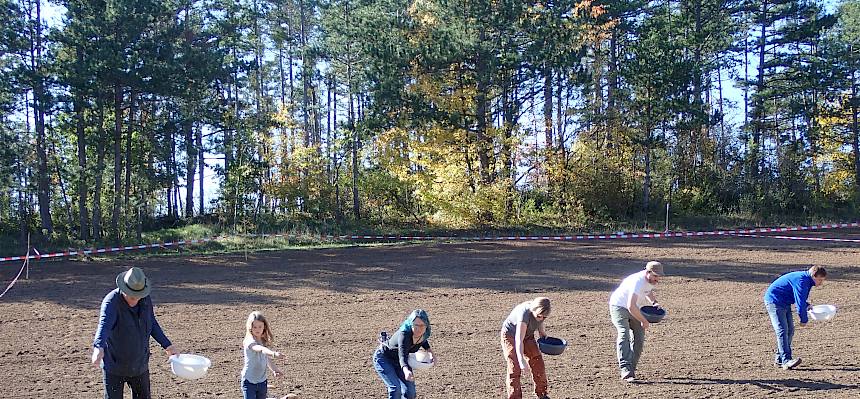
point(118, 116)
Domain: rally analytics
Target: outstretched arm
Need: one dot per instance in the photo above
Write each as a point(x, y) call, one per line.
point(266, 351)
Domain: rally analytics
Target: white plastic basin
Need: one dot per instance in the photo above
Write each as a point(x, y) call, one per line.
point(420, 360)
point(189, 367)
point(822, 312)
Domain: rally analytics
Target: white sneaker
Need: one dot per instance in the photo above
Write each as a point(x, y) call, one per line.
point(791, 364)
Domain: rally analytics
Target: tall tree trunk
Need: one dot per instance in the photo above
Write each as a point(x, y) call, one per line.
point(132, 113)
point(758, 106)
point(202, 165)
point(481, 109)
point(117, 161)
point(99, 177)
point(190, 164)
point(509, 98)
point(83, 213)
point(646, 184)
point(612, 87)
point(547, 106)
point(282, 81)
point(290, 61)
point(306, 74)
point(43, 179)
point(57, 164)
point(855, 131)
point(746, 79)
point(328, 136)
point(356, 208)
point(597, 93)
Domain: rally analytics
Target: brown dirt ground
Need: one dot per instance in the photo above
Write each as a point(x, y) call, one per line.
point(327, 306)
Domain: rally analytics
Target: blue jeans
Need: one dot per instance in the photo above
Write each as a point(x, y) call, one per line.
point(783, 325)
point(392, 376)
point(115, 385)
point(254, 391)
point(629, 329)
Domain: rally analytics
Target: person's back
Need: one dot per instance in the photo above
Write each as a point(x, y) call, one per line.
point(635, 283)
point(790, 288)
point(520, 314)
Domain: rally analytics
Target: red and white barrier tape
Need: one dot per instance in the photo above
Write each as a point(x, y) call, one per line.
point(802, 238)
point(454, 238)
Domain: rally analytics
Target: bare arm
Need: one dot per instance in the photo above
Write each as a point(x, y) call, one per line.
point(266, 351)
point(652, 298)
point(632, 306)
point(541, 330)
point(520, 337)
point(272, 366)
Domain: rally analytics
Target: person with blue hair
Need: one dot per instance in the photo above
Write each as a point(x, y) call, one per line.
point(391, 358)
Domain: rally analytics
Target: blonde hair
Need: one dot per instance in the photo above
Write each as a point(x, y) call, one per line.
point(540, 306)
point(266, 337)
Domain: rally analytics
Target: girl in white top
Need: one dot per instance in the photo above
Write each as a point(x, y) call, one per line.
point(258, 336)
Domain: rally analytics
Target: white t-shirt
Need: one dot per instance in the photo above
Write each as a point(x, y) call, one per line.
point(256, 363)
point(634, 283)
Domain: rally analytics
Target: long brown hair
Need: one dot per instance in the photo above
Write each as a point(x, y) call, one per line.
point(267, 337)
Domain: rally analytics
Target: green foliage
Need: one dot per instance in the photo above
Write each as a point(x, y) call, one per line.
point(381, 114)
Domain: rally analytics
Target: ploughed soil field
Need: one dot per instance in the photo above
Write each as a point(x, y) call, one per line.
point(327, 306)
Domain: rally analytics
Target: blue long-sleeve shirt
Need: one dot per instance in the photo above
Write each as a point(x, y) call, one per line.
point(791, 288)
point(124, 332)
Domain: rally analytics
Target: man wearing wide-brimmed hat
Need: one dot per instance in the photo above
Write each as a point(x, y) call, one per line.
point(624, 312)
point(121, 344)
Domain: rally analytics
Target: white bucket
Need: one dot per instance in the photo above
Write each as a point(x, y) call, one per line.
point(822, 312)
point(189, 367)
point(420, 360)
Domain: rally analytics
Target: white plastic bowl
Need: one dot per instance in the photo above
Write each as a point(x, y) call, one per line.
point(822, 312)
point(420, 360)
point(189, 367)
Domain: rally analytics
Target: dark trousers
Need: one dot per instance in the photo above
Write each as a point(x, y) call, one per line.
point(115, 385)
point(254, 391)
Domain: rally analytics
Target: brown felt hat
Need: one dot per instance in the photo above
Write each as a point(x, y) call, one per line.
point(133, 283)
point(655, 267)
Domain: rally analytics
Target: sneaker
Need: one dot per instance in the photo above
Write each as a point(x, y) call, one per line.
point(791, 364)
point(630, 379)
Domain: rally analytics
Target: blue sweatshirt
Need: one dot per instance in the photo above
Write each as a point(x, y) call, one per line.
point(124, 332)
point(791, 288)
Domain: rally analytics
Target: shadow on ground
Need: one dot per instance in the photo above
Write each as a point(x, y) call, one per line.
point(776, 385)
point(495, 266)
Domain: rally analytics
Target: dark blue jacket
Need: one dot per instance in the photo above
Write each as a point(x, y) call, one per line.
point(397, 348)
point(124, 332)
point(791, 288)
